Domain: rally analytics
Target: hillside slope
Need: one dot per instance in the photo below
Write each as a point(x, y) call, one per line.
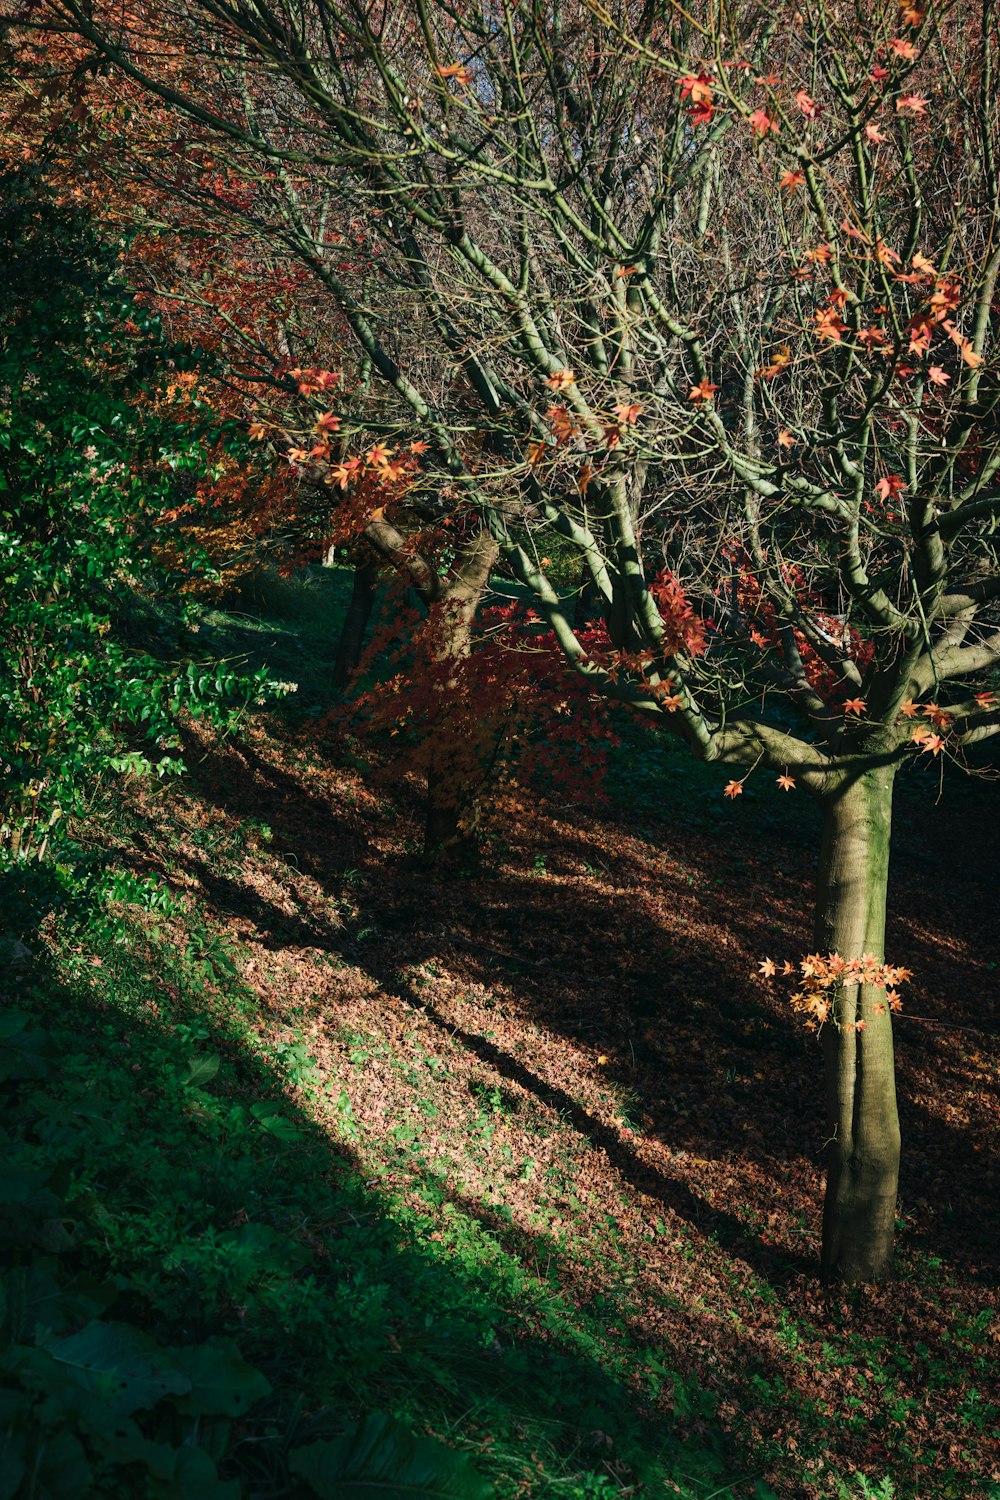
point(538, 1169)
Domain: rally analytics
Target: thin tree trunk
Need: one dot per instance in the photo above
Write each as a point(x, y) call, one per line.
point(451, 826)
point(863, 1125)
point(456, 765)
point(352, 635)
point(586, 605)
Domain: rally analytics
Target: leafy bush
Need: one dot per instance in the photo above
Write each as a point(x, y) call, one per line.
point(92, 473)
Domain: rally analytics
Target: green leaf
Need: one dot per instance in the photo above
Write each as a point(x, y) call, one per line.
point(273, 1121)
point(126, 1367)
point(196, 1478)
point(381, 1457)
point(222, 1383)
point(200, 1070)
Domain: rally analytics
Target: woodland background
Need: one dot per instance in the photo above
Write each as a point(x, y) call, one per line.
point(500, 653)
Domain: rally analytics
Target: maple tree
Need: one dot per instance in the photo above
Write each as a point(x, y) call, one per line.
point(712, 294)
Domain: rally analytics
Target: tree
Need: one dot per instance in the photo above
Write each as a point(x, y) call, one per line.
point(711, 293)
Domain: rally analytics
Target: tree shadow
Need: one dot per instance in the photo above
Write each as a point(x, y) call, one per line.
point(217, 1219)
point(666, 994)
point(419, 918)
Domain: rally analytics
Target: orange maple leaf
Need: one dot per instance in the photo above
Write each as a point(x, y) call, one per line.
point(939, 717)
point(696, 88)
point(852, 231)
point(855, 706)
point(890, 487)
point(786, 782)
point(761, 122)
point(703, 391)
point(733, 789)
point(829, 325)
point(561, 380)
point(459, 71)
point(562, 423)
point(780, 359)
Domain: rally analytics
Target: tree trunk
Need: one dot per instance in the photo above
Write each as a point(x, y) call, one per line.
point(451, 826)
point(456, 766)
point(586, 605)
point(453, 749)
point(352, 635)
point(863, 1125)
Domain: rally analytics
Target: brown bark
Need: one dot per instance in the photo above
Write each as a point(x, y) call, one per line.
point(352, 635)
point(456, 768)
point(863, 1125)
point(451, 825)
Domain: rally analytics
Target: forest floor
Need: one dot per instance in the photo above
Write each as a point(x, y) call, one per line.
point(541, 1172)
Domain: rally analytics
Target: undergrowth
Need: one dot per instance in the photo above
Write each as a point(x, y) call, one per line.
point(179, 1212)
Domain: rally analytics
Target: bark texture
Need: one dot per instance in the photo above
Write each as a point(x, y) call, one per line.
point(456, 758)
point(352, 635)
point(863, 1124)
